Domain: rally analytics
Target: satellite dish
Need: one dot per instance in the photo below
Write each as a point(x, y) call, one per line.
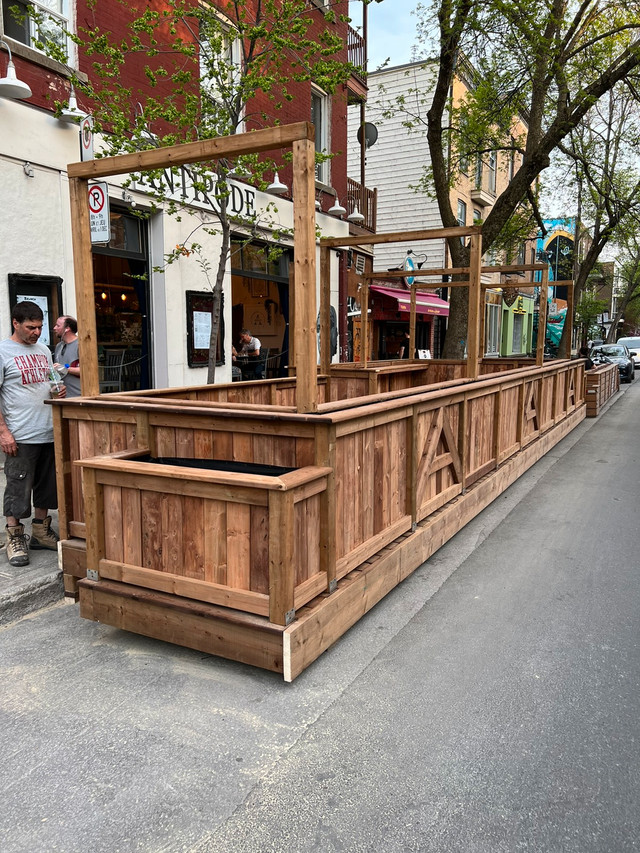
point(370, 134)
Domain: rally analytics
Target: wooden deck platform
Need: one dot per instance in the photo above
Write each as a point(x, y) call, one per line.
point(272, 568)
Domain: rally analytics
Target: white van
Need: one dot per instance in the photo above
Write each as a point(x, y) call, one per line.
point(632, 344)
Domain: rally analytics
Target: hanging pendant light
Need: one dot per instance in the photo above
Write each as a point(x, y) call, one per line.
point(356, 216)
point(277, 187)
point(337, 209)
point(10, 86)
point(71, 114)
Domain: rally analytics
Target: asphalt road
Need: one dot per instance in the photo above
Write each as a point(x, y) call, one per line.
point(490, 703)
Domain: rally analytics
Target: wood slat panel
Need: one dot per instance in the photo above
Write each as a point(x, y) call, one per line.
point(215, 541)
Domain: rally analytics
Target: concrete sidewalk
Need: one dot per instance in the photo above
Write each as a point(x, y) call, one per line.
point(28, 588)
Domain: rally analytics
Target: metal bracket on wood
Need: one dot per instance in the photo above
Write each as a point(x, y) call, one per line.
point(333, 585)
point(289, 617)
point(92, 575)
point(414, 526)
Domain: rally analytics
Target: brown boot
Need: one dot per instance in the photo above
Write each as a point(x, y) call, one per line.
point(17, 551)
point(42, 536)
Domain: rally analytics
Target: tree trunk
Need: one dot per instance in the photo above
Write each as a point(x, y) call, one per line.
point(225, 229)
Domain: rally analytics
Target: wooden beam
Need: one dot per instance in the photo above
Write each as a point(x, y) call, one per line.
point(400, 237)
point(304, 295)
point(202, 151)
point(83, 273)
point(475, 293)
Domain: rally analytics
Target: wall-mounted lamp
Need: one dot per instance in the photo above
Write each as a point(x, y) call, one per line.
point(419, 264)
point(28, 170)
point(356, 216)
point(128, 198)
point(71, 114)
point(123, 296)
point(318, 205)
point(337, 209)
point(277, 187)
point(10, 86)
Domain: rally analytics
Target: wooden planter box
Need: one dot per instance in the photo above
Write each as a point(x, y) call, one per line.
point(271, 565)
point(601, 383)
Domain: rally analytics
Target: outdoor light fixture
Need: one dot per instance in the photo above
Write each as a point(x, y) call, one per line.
point(318, 205)
point(337, 209)
point(128, 198)
point(277, 187)
point(71, 114)
point(238, 172)
point(10, 86)
point(356, 216)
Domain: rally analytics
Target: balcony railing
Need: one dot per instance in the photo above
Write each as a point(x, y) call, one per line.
point(356, 54)
point(365, 200)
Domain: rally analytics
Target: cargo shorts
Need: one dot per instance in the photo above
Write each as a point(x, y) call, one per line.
point(33, 469)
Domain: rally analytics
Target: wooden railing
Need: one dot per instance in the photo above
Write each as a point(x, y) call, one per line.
point(601, 383)
point(364, 472)
point(365, 200)
point(357, 55)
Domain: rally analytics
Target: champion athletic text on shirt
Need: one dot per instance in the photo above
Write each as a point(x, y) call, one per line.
point(33, 367)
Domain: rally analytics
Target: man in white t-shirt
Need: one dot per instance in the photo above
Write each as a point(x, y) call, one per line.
point(26, 434)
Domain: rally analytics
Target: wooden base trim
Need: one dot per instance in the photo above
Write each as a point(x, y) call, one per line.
point(192, 588)
point(204, 627)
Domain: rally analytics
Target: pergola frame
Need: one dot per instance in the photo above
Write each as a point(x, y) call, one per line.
point(299, 138)
point(472, 280)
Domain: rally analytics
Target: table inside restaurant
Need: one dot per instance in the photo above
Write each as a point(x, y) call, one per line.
point(251, 366)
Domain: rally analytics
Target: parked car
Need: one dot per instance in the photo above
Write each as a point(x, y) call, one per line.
point(615, 354)
point(632, 344)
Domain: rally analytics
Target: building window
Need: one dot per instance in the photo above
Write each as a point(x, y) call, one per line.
point(462, 212)
point(479, 173)
point(47, 26)
point(493, 159)
point(477, 216)
point(220, 71)
point(320, 120)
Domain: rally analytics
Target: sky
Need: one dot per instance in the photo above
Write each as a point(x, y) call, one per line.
point(391, 30)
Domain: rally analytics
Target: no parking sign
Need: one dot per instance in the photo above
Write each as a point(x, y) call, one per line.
point(99, 213)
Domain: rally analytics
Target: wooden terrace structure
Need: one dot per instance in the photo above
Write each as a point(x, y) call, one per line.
point(260, 520)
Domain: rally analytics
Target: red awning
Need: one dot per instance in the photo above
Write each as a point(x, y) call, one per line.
point(426, 303)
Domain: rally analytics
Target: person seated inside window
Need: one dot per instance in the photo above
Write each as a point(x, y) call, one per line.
point(248, 346)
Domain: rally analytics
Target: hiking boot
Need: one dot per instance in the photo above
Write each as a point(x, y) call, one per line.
point(42, 536)
point(17, 551)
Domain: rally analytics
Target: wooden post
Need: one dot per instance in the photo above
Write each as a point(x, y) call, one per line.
point(542, 316)
point(325, 311)
point(325, 444)
point(281, 568)
point(63, 471)
point(569, 318)
point(83, 271)
point(304, 295)
point(412, 323)
point(94, 517)
point(364, 317)
point(475, 292)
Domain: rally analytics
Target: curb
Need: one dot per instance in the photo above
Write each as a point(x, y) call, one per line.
point(33, 596)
